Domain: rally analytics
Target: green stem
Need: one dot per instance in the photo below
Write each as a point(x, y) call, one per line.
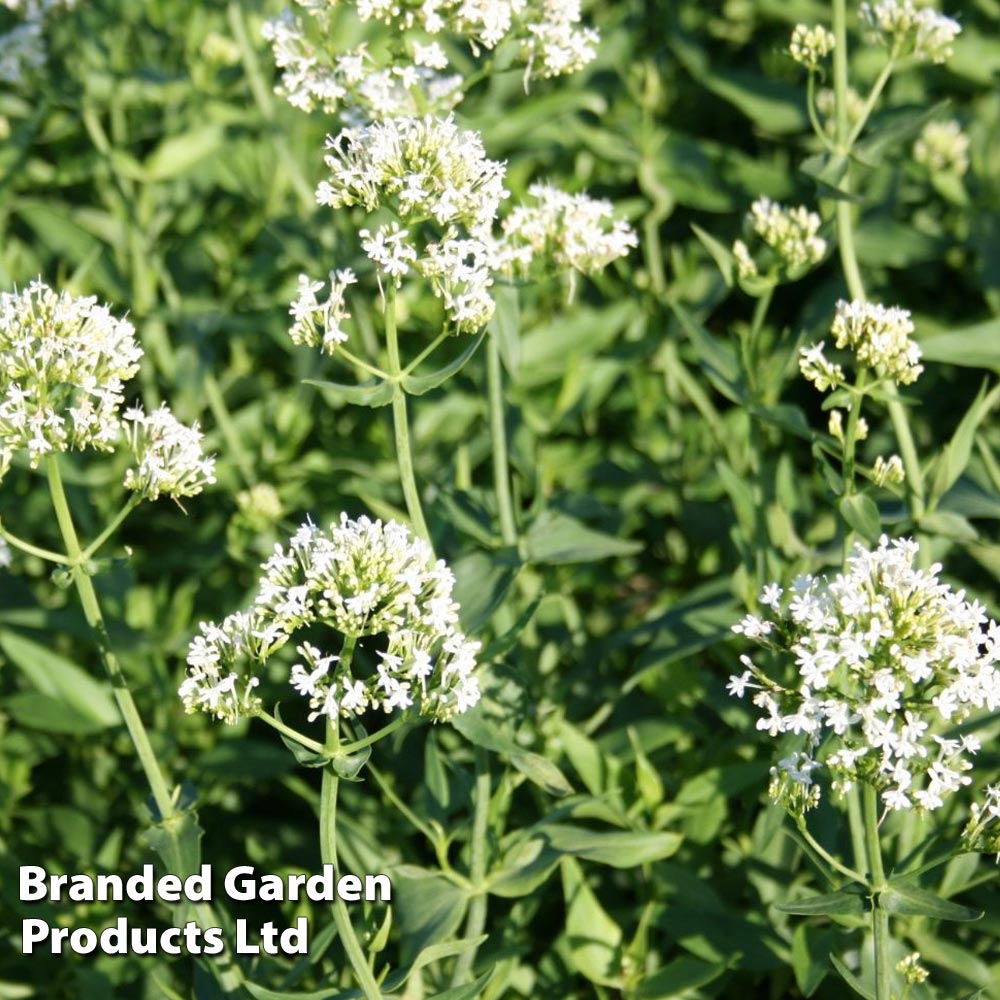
point(92, 613)
point(224, 420)
point(400, 421)
point(851, 432)
point(428, 351)
point(94, 547)
point(844, 870)
point(346, 749)
point(363, 365)
point(33, 550)
point(756, 325)
point(817, 125)
point(292, 734)
point(873, 96)
point(498, 431)
point(880, 917)
point(848, 251)
point(328, 852)
point(475, 922)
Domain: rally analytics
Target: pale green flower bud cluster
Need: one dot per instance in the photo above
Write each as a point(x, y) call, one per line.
point(943, 148)
point(22, 49)
point(321, 323)
point(64, 360)
point(911, 970)
point(787, 239)
point(810, 45)
point(826, 105)
point(888, 661)
point(362, 579)
point(879, 336)
point(888, 472)
point(574, 231)
point(835, 425)
point(168, 455)
point(908, 29)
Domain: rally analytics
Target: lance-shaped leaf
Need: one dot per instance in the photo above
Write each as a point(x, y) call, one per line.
point(417, 385)
point(375, 392)
point(911, 901)
point(849, 901)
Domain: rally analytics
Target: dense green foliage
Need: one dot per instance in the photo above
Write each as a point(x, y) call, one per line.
point(631, 848)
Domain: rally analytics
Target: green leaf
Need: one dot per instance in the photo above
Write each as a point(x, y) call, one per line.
point(428, 909)
point(678, 977)
point(861, 513)
point(417, 385)
point(893, 130)
point(954, 458)
point(828, 170)
point(374, 393)
point(843, 902)
point(51, 715)
point(178, 154)
point(482, 581)
point(975, 346)
point(851, 979)
point(912, 901)
point(305, 756)
point(525, 866)
point(720, 253)
point(617, 848)
point(470, 991)
point(542, 772)
point(810, 948)
point(595, 940)
point(555, 538)
point(63, 681)
point(505, 326)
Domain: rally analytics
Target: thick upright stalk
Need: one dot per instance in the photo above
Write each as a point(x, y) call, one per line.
point(328, 853)
point(498, 432)
point(851, 434)
point(876, 873)
point(848, 251)
point(475, 922)
point(400, 421)
point(92, 612)
point(229, 976)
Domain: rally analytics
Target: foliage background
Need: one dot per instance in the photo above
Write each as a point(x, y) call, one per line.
point(152, 166)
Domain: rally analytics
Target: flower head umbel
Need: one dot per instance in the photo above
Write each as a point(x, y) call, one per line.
point(943, 148)
point(444, 192)
point(22, 48)
point(576, 232)
point(168, 455)
point(811, 45)
point(879, 338)
point(363, 580)
point(320, 324)
point(411, 71)
point(63, 364)
point(908, 29)
point(64, 361)
point(784, 242)
point(887, 662)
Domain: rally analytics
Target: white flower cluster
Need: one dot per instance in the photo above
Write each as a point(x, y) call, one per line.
point(911, 970)
point(320, 324)
point(888, 661)
point(413, 74)
point(810, 45)
point(168, 455)
point(791, 245)
point(352, 82)
point(438, 182)
point(943, 147)
point(909, 29)
point(22, 48)
point(574, 231)
point(879, 336)
point(361, 579)
point(63, 363)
